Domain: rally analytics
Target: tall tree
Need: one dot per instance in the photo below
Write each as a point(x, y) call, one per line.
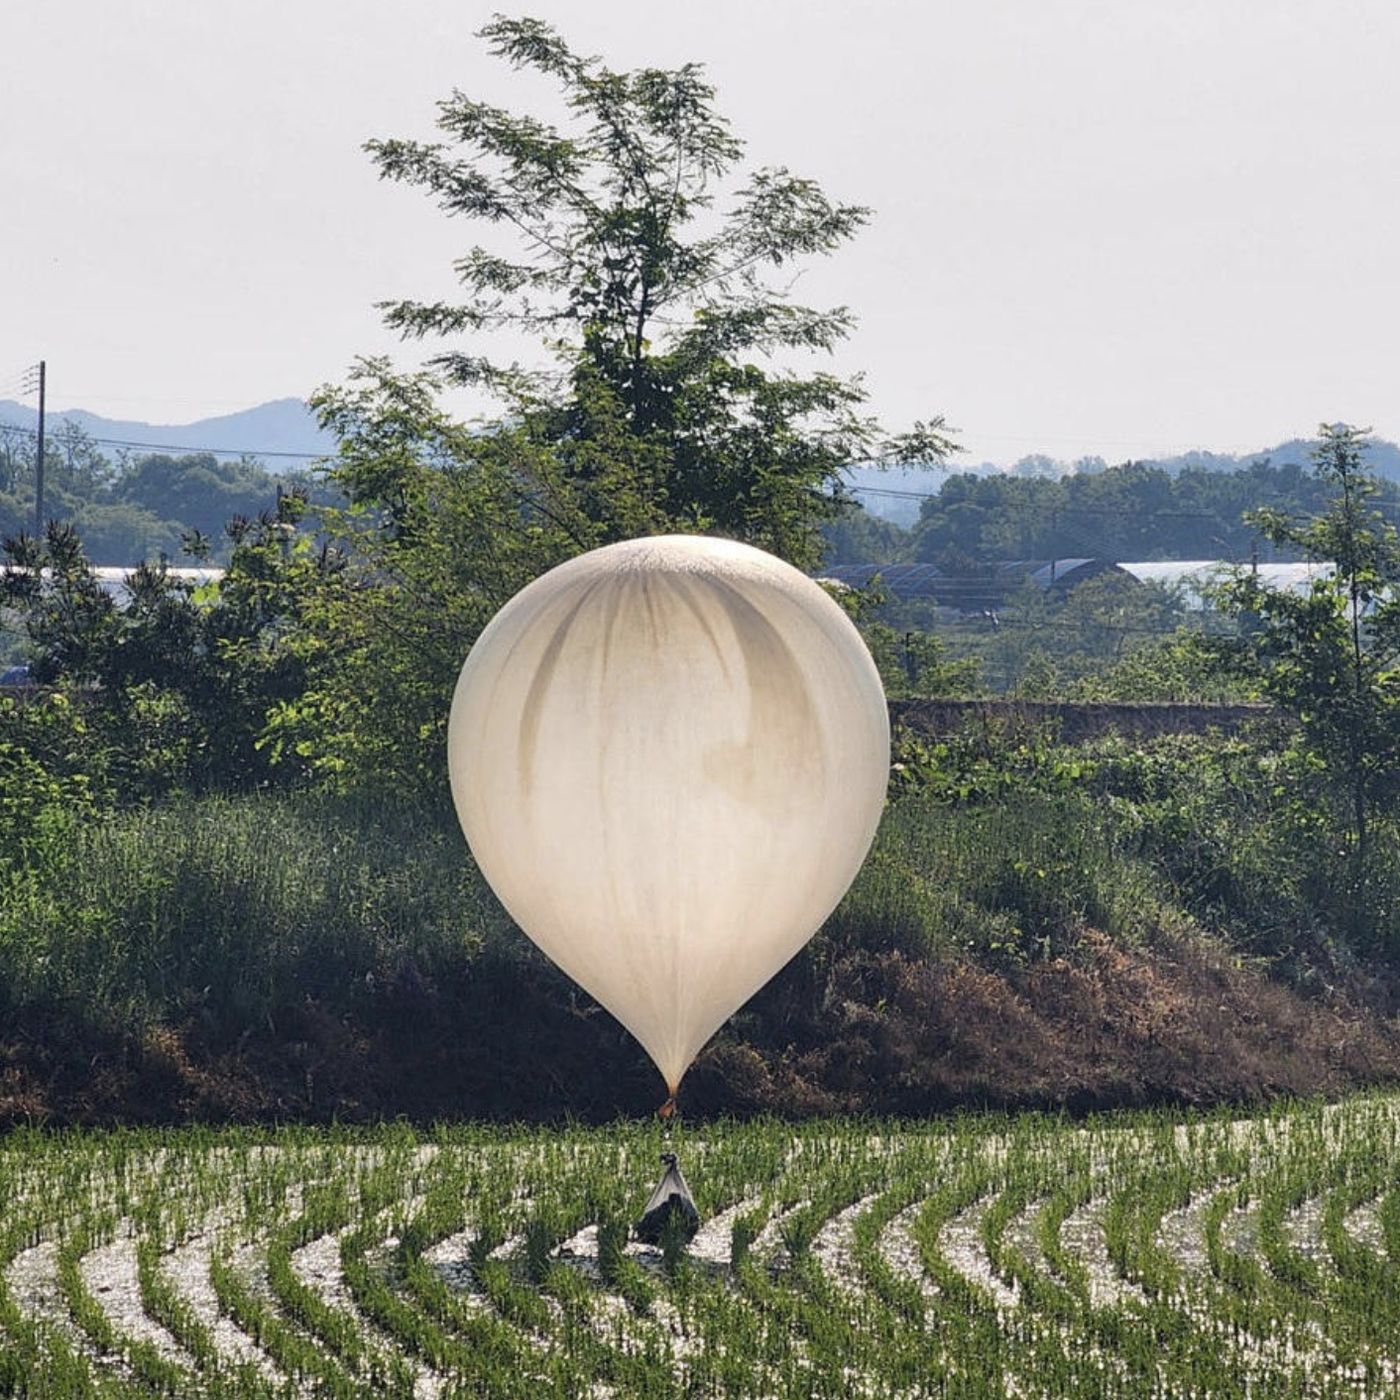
point(1331, 656)
point(646, 262)
point(647, 266)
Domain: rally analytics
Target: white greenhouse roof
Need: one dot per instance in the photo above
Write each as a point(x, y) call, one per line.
point(113, 580)
point(1192, 576)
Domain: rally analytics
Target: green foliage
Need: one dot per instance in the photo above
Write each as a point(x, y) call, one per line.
point(1001, 845)
point(919, 664)
point(178, 682)
point(1103, 617)
point(1110, 637)
point(443, 526)
point(984, 762)
point(119, 533)
point(1237, 830)
point(1008, 883)
point(1132, 511)
point(857, 536)
point(1186, 665)
point(1234, 836)
point(45, 792)
point(237, 911)
point(1042, 644)
point(642, 260)
point(138, 508)
point(198, 490)
point(911, 662)
point(1331, 657)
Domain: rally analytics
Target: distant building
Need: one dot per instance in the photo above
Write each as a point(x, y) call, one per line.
point(994, 583)
point(1194, 577)
point(112, 581)
point(989, 587)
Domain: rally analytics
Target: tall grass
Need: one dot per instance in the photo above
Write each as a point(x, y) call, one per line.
point(231, 912)
point(234, 906)
point(1013, 881)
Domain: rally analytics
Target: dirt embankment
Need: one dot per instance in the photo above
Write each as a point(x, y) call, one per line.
point(868, 1032)
point(1114, 1027)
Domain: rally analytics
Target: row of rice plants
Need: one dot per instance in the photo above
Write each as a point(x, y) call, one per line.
point(1133, 1255)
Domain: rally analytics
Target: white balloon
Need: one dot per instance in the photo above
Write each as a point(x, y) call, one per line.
point(669, 757)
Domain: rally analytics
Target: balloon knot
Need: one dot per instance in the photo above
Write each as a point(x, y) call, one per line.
point(667, 1109)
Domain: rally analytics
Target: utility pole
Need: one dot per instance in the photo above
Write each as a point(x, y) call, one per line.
point(39, 462)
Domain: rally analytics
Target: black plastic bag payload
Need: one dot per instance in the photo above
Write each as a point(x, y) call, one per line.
point(671, 1197)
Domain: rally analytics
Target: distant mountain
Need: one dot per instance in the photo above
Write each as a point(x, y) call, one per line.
point(895, 494)
point(284, 426)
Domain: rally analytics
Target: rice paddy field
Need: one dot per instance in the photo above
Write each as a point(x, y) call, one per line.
point(976, 1256)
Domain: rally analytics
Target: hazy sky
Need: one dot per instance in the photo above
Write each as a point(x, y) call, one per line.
point(1120, 227)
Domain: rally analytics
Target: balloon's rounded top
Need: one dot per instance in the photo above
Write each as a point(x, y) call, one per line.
point(669, 757)
point(694, 555)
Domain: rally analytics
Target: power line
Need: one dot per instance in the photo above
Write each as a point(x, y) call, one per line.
point(1040, 510)
point(1088, 628)
point(1042, 522)
point(1038, 517)
point(1055, 512)
point(186, 448)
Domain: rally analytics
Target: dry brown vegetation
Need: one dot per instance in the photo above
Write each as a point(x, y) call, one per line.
point(880, 1032)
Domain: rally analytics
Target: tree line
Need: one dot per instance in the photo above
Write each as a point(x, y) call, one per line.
point(137, 506)
point(1134, 511)
point(140, 506)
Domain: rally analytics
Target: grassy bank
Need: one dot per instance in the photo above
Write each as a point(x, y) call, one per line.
point(1095, 926)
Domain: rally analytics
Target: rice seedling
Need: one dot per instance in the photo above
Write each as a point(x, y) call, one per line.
point(1130, 1255)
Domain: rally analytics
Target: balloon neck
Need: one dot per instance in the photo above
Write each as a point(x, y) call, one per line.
point(668, 1109)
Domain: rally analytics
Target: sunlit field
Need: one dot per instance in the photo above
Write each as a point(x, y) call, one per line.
point(977, 1256)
